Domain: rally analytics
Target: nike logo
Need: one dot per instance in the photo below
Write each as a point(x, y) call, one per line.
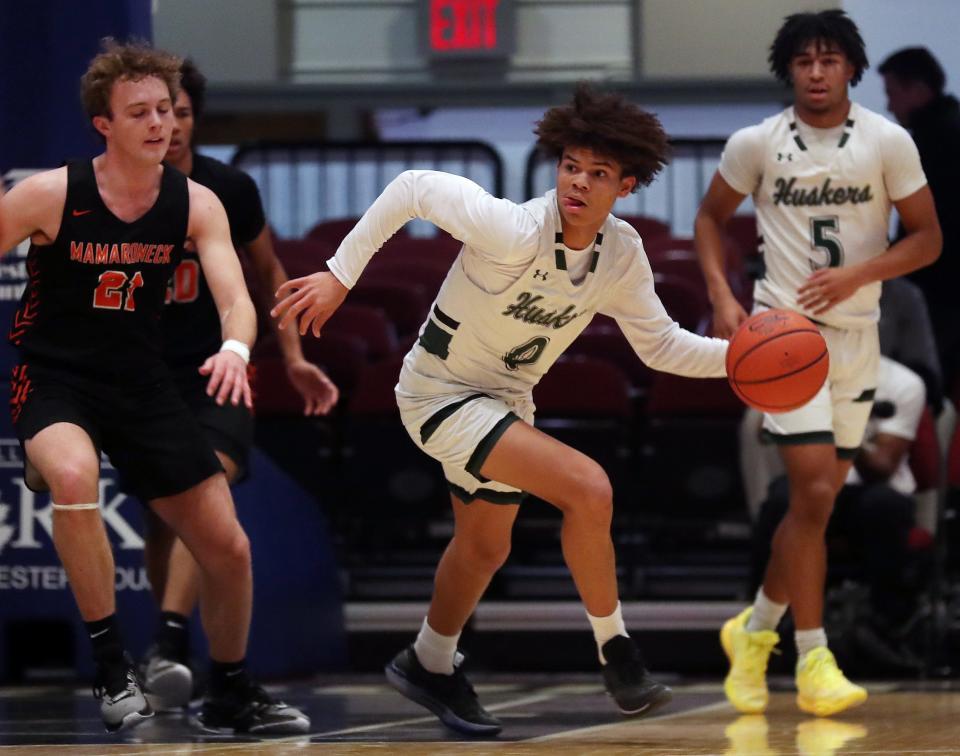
point(78, 213)
point(171, 623)
point(97, 635)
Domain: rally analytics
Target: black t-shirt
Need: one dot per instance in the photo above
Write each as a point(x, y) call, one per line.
point(936, 130)
point(94, 297)
point(191, 325)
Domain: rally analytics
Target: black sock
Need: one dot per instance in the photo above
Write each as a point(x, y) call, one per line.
point(106, 641)
point(173, 636)
point(225, 676)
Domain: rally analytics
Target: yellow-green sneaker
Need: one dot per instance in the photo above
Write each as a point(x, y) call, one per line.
point(822, 688)
point(748, 652)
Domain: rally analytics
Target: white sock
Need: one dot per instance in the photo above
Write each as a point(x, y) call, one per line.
point(807, 640)
point(436, 652)
point(766, 614)
point(605, 628)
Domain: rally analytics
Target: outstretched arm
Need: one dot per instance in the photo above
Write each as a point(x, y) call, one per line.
point(318, 391)
point(457, 205)
point(209, 230)
point(656, 338)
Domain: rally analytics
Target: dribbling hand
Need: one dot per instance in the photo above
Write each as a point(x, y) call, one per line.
point(727, 317)
point(311, 299)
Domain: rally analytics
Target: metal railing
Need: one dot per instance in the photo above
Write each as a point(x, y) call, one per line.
point(302, 184)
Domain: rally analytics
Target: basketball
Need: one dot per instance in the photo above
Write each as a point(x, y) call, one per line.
point(777, 361)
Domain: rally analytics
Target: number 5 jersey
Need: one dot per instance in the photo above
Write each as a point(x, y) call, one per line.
point(823, 199)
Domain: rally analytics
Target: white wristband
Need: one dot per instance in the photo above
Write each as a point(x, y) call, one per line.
point(237, 347)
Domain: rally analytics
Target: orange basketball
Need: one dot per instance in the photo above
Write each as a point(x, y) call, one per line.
point(777, 361)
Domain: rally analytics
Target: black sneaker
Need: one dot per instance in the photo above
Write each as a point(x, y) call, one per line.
point(627, 679)
point(248, 708)
point(122, 703)
point(450, 697)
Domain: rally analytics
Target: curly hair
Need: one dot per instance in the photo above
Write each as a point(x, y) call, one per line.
point(800, 29)
point(607, 124)
point(133, 61)
point(194, 84)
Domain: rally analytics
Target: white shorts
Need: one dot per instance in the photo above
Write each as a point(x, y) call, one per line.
point(459, 430)
point(838, 413)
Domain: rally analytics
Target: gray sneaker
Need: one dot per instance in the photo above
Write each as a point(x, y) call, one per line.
point(122, 703)
point(167, 683)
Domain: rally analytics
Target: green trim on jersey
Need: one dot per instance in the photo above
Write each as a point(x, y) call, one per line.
point(561, 259)
point(435, 340)
point(486, 445)
point(445, 319)
point(845, 452)
point(487, 494)
point(796, 439)
point(433, 422)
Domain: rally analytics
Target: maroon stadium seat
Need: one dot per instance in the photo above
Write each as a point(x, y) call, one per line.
point(334, 230)
point(648, 228)
point(581, 386)
point(301, 257)
point(405, 305)
point(369, 324)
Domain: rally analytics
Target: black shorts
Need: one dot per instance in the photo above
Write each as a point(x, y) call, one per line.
point(147, 431)
point(228, 428)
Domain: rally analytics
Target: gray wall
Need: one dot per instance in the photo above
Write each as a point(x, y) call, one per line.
point(379, 40)
point(713, 39)
point(232, 41)
point(338, 42)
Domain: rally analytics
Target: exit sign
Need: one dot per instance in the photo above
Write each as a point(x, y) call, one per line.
point(464, 29)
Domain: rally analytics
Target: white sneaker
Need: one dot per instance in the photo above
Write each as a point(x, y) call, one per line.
point(168, 684)
point(122, 703)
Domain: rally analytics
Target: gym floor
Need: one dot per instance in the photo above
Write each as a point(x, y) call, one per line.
point(556, 714)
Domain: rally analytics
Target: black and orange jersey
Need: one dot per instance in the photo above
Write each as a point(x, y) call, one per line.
point(191, 324)
point(94, 297)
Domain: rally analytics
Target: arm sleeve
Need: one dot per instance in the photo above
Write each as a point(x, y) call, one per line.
point(741, 164)
point(496, 228)
point(656, 338)
point(902, 172)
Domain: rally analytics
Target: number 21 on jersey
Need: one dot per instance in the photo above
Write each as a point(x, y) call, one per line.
point(115, 290)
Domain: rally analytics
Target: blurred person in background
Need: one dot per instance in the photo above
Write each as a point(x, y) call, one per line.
point(191, 331)
point(824, 175)
point(914, 83)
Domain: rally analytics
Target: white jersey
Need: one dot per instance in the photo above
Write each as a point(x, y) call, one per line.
point(823, 198)
point(509, 306)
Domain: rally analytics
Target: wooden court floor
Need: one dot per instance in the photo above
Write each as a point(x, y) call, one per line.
point(555, 715)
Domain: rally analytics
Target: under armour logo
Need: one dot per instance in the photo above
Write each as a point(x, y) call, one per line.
point(781, 156)
point(541, 275)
